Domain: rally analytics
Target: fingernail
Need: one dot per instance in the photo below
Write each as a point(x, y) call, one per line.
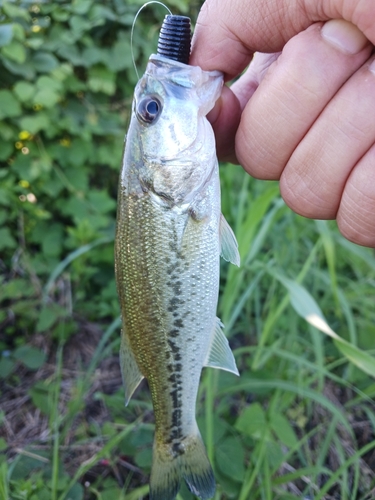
point(344, 36)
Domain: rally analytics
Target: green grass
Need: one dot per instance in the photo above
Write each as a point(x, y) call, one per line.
point(298, 423)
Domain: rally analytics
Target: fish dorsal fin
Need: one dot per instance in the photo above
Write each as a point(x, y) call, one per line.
point(220, 355)
point(228, 243)
point(131, 374)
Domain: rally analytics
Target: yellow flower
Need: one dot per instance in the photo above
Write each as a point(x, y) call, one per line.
point(24, 135)
point(65, 142)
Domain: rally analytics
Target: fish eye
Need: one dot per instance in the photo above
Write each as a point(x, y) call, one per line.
point(149, 109)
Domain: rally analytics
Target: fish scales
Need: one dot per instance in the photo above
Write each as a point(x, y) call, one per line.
point(170, 293)
point(167, 254)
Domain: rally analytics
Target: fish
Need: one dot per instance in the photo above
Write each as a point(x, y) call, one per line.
point(169, 238)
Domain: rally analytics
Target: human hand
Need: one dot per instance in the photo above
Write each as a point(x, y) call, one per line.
point(305, 116)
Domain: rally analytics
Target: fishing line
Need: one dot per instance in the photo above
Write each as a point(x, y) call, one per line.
point(132, 30)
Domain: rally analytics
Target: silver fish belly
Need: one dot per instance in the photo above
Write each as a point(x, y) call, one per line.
point(170, 234)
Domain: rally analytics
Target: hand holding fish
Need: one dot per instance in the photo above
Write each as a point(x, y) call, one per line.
point(305, 115)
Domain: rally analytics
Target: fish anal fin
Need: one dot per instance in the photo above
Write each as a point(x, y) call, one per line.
point(131, 374)
point(220, 354)
point(228, 243)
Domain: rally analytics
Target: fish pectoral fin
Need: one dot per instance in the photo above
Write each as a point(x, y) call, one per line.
point(220, 354)
point(131, 374)
point(228, 243)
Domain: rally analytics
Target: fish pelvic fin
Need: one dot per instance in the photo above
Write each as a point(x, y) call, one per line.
point(228, 243)
point(131, 374)
point(220, 355)
point(183, 460)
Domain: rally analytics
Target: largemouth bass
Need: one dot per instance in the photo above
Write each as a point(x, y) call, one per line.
point(170, 234)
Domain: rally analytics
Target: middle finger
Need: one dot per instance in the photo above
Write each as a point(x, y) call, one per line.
point(293, 93)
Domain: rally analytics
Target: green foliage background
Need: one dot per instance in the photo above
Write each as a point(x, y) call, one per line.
point(300, 421)
point(66, 85)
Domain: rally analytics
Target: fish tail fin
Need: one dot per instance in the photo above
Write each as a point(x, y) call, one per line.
point(197, 470)
point(184, 460)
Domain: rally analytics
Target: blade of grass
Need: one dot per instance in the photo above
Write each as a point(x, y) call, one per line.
point(69, 259)
point(369, 393)
point(337, 474)
point(54, 423)
point(83, 384)
point(327, 371)
point(355, 482)
point(324, 448)
point(371, 416)
point(346, 309)
point(317, 342)
point(249, 244)
point(273, 316)
point(137, 493)
point(304, 304)
point(365, 254)
point(267, 222)
point(253, 474)
point(267, 480)
point(302, 392)
point(241, 303)
point(211, 384)
point(107, 448)
point(344, 483)
point(4, 492)
point(289, 454)
point(348, 314)
point(116, 323)
point(302, 473)
point(329, 250)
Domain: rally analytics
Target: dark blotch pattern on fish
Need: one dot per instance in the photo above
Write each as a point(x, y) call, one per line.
point(174, 283)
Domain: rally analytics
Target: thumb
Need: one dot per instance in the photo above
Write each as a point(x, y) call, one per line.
point(228, 32)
